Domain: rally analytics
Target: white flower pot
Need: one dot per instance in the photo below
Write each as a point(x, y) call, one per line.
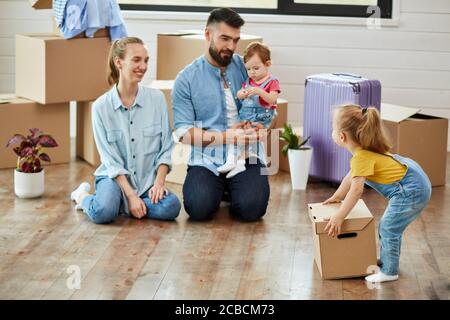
point(28, 185)
point(299, 164)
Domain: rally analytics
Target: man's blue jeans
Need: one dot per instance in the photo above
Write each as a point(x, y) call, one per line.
point(104, 205)
point(249, 192)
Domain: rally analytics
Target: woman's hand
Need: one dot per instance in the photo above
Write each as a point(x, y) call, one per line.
point(137, 206)
point(157, 192)
point(332, 199)
point(334, 225)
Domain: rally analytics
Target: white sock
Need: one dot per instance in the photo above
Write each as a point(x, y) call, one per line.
point(381, 277)
point(82, 190)
point(240, 167)
point(229, 165)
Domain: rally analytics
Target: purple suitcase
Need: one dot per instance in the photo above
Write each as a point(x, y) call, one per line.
point(322, 93)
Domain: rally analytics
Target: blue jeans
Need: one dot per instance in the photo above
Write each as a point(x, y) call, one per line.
point(104, 205)
point(407, 199)
point(249, 192)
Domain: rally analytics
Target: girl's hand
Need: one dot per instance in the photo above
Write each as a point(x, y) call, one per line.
point(157, 192)
point(251, 91)
point(137, 206)
point(242, 94)
point(334, 225)
point(332, 199)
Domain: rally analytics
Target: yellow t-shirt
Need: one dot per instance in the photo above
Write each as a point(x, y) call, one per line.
point(376, 167)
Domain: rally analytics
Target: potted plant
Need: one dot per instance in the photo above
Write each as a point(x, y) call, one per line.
point(299, 157)
point(29, 174)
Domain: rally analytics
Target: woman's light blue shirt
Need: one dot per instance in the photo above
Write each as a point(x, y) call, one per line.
point(133, 142)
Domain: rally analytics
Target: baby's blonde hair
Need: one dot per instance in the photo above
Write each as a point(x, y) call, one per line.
point(363, 126)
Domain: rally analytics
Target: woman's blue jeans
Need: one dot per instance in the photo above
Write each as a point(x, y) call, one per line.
point(104, 205)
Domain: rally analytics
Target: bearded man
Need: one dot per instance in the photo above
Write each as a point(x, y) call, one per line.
point(205, 108)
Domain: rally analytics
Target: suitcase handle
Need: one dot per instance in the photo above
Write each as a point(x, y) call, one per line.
point(347, 75)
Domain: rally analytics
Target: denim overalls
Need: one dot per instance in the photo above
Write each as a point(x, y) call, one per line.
point(253, 111)
point(407, 199)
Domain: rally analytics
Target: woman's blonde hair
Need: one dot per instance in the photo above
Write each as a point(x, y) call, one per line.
point(118, 49)
point(363, 126)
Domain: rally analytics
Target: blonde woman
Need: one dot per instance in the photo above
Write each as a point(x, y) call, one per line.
point(134, 140)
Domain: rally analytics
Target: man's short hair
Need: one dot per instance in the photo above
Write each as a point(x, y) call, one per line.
point(227, 15)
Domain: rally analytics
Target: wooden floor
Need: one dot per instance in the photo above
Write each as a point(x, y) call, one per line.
point(220, 259)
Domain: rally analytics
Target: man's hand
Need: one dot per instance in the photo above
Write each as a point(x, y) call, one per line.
point(246, 133)
point(137, 206)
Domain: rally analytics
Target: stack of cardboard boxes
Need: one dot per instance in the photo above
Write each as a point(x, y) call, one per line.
point(51, 72)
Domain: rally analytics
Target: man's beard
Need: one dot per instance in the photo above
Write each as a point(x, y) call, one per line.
point(223, 62)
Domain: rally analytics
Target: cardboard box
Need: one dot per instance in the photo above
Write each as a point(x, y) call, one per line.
point(180, 158)
point(177, 50)
point(420, 137)
point(351, 253)
point(282, 113)
point(41, 4)
point(19, 115)
point(50, 69)
point(86, 148)
point(166, 87)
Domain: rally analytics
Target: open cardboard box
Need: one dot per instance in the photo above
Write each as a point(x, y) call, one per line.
point(350, 254)
point(420, 137)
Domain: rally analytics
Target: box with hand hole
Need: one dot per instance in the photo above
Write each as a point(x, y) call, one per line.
point(353, 252)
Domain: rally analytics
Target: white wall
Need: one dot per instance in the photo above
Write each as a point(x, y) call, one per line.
point(411, 58)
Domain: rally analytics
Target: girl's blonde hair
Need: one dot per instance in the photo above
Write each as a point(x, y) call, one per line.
point(363, 126)
point(118, 49)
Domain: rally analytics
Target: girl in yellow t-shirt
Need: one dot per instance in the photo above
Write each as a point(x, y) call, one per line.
point(401, 180)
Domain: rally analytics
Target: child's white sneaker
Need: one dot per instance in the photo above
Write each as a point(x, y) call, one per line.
point(240, 167)
point(381, 277)
point(83, 188)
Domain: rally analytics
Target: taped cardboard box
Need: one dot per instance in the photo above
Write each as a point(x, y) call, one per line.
point(19, 115)
point(352, 253)
point(420, 137)
point(86, 148)
point(50, 69)
point(178, 49)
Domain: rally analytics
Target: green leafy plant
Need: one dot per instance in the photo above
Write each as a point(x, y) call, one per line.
point(30, 150)
point(293, 140)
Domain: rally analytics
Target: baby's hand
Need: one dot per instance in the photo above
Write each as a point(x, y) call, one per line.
point(242, 94)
